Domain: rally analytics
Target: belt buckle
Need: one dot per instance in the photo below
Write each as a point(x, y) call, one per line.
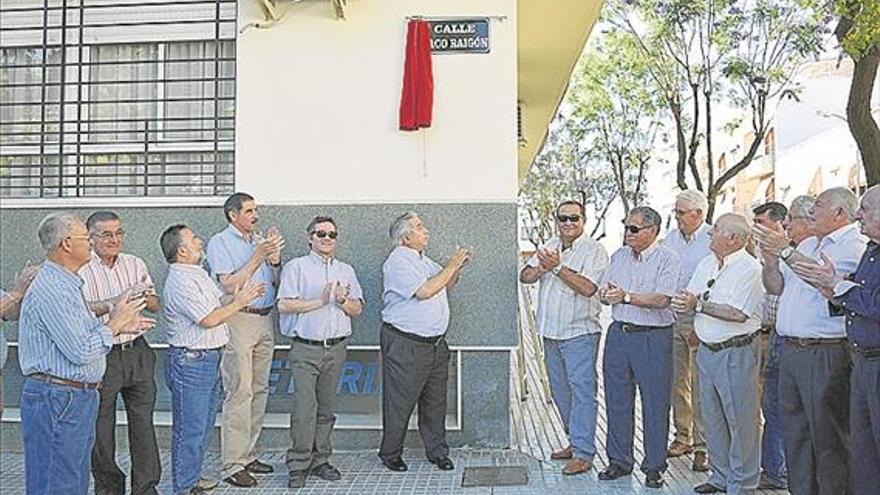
point(126, 345)
point(326, 343)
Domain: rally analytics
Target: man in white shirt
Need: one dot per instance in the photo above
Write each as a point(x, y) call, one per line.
point(726, 296)
point(569, 268)
point(317, 299)
point(814, 365)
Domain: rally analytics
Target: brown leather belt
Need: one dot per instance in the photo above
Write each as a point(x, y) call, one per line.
point(256, 311)
point(798, 342)
point(54, 380)
point(633, 328)
point(738, 341)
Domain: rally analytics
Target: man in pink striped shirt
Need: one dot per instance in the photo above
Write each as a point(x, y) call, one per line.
point(130, 365)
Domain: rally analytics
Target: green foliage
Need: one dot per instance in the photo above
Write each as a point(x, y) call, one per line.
point(864, 33)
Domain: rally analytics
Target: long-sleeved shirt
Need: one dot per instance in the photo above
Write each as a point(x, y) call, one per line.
point(860, 297)
point(229, 250)
point(656, 270)
point(58, 334)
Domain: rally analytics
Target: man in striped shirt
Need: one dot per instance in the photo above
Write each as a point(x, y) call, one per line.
point(62, 354)
point(130, 365)
point(639, 284)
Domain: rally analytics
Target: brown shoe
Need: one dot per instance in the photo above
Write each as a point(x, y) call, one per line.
point(577, 466)
point(701, 462)
point(679, 449)
point(561, 455)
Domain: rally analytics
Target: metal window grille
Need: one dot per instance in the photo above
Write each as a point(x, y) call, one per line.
point(117, 98)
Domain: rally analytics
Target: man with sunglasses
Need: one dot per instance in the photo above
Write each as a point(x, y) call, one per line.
point(415, 356)
point(691, 242)
point(317, 298)
point(569, 268)
point(130, 365)
point(726, 295)
point(639, 284)
point(238, 255)
point(814, 364)
point(62, 349)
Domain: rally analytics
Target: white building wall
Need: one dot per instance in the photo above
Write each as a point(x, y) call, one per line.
point(318, 99)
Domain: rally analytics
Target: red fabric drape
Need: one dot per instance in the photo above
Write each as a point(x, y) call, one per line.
point(417, 97)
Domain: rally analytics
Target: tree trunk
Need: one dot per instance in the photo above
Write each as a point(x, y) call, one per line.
point(858, 112)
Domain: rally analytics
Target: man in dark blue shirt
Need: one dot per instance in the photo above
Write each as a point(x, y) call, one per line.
point(859, 296)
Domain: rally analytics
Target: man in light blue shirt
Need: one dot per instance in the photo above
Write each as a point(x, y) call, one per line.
point(62, 345)
point(238, 255)
point(317, 298)
point(415, 357)
point(690, 241)
point(197, 313)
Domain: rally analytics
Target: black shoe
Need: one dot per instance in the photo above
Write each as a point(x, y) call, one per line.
point(242, 479)
point(258, 467)
point(395, 464)
point(327, 472)
point(297, 479)
point(653, 479)
point(444, 463)
point(708, 488)
point(612, 472)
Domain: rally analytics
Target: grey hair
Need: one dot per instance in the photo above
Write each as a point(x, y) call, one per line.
point(735, 224)
point(649, 215)
point(401, 226)
point(801, 206)
point(54, 228)
point(695, 198)
point(843, 198)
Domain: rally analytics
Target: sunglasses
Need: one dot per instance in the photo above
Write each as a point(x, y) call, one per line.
point(709, 285)
point(635, 229)
point(320, 234)
point(568, 218)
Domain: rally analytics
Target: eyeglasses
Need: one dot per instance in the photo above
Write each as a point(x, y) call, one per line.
point(680, 213)
point(320, 234)
point(106, 236)
point(709, 285)
point(568, 218)
point(635, 229)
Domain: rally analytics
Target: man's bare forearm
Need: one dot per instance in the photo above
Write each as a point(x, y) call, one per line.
point(724, 312)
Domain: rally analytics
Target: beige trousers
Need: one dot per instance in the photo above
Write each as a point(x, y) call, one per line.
point(685, 389)
point(244, 368)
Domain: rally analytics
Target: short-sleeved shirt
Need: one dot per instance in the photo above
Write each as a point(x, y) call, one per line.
point(229, 250)
point(689, 250)
point(58, 333)
point(803, 311)
point(305, 278)
point(189, 296)
point(562, 312)
point(403, 273)
point(657, 270)
point(104, 282)
point(737, 283)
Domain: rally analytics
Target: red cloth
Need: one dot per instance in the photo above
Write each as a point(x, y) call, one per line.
point(417, 97)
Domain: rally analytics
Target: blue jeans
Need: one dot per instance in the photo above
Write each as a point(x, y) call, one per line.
point(571, 368)
point(193, 376)
point(772, 446)
point(58, 430)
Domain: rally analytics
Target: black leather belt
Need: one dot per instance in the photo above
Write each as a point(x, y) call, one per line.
point(126, 346)
point(768, 329)
point(633, 328)
point(738, 341)
point(322, 343)
point(411, 336)
point(865, 352)
point(54, 380)
point(256, 311)
point(798, 342)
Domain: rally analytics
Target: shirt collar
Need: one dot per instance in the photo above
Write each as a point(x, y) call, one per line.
point(320, 259)
point(237, 233)
point(97, 259)
point(186, 267)
point(840, 233)
point(695, 234)
point(647, 252)
point(733, 257)
point(410, 251)
point(63, 272)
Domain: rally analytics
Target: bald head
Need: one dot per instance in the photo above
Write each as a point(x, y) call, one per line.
point(729, 234)
point(868, 214)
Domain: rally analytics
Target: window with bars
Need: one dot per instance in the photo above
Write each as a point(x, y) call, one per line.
point(143, 106)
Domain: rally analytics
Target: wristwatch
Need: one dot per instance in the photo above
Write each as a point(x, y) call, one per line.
point(699, 307)
point(786, 253)
point(627, 299)
point(556, 270)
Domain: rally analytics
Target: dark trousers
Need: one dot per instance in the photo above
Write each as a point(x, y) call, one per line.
point(413, 373)
point(130, 372)
point(643, 360)
point(814, 404)
point(865, 425)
